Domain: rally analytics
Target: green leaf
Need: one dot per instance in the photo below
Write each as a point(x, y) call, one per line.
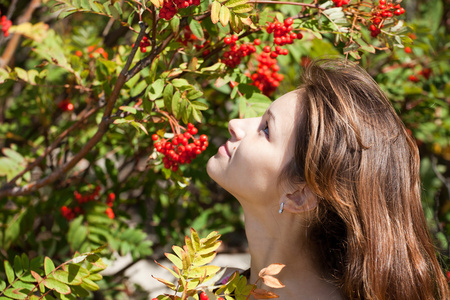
point(89, 285)
point(199, 105)
point(129, 109)
point(23, 285)
point(196, 29)
point(138, 126)
point(224, 15)
point(66, 277)
point(77, 233)
point(85, 4)
point(175, 24)
point(49, 266)
point(139, 88)
point(96, 261)
point(233, 3)
point(244, 8)
point(15, 293)
point(168, 95)
point(114, 12)
point(194, 94)
point(176, 104)
point(97, 7)
point(215, 11)
point(9, 271)
point(76, 270)
point(18, 269)
point(13, 155)
point(2, 285)
point(56, 285)
point(180, 82)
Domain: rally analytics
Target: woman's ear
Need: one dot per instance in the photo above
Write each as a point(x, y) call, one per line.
point(300, 201)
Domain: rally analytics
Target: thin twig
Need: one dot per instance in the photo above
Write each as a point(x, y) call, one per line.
point(55, 143)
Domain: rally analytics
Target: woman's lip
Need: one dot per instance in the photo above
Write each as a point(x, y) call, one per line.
point(224, 150)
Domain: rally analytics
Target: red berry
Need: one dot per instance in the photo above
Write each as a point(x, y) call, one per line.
point(204, 296)
point(413, 78)
point(408, 49)
point(267, 49)
point(155, 137)
point(227, 40)
point(288, 21)
point(257, 42)
point(193, 131)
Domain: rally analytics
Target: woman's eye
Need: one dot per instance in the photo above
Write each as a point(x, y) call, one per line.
point(266, 130)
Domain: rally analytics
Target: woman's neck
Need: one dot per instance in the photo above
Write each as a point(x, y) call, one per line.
point(281, 238)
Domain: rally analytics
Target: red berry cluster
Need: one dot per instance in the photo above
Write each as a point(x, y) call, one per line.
point(144, 44)
point(65, 105)
point(171, 7)
point(282, 34)
point(179, 151)
point(5, 24)
point(339, 3)
point(382, 12)
point(232, 57)
point(71, 213)
point(424, 72)
point(266, 77)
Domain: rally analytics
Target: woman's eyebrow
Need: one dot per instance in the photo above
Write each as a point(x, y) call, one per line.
point(271, 115)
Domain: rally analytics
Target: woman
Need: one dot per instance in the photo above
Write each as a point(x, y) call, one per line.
point(328, 179)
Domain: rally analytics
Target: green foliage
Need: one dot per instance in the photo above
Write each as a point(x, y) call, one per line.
point(40, 279)
point(194, 274)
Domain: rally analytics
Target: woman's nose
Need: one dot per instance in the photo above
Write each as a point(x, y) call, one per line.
point(236, 128)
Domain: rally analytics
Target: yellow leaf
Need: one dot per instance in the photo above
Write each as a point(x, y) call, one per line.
point(203, 271)
point(169, 284)
point(156, 3)
point(215, 11)
point(224, 15)
point(208, 248)
point(201, 260)
point(175, 260)
point(195, 239)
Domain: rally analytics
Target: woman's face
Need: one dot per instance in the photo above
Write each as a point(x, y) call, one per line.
point(249, 163)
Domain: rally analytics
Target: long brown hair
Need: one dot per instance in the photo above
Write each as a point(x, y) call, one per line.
point(355, 154)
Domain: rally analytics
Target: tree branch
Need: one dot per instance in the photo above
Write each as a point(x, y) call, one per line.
point(102, 129)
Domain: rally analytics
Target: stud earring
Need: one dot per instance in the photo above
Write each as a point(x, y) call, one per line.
point(281, 208)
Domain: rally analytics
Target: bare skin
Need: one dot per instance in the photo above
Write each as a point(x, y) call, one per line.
point(248, 166)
